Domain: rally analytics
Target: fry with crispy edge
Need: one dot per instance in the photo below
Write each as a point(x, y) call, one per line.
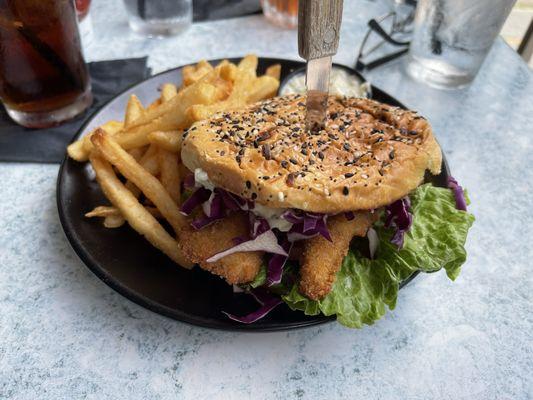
point(168, 140)
point(136, 215)
point(170, 174)
point(146, 182)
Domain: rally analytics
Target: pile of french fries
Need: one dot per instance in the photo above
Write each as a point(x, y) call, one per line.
point(137, 161)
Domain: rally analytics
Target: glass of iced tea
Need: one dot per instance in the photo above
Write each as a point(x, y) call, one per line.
point(43, 76)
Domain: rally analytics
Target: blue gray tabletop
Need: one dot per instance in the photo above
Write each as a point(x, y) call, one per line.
point(64, 334)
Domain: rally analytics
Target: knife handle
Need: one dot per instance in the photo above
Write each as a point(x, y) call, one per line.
point(319, 24)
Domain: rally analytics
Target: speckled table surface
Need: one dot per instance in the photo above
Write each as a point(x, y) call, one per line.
point(65, 335)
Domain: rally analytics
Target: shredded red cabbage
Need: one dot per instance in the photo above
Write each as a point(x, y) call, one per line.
point(305, 225)
point(258, 225)
point(196, 199)
point(188, 182)
point(276, 264)
point(458, 193)
point(268, 303)
point(267, 242)
point(398, 216)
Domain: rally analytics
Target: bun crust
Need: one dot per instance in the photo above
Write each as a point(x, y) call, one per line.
point(369, 155)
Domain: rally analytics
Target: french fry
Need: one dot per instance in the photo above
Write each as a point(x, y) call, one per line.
point(150, 163)
point(248, 64)
point(114, 221)
point(228, 71)
point(112, 211)
point(168, 140)
point(80, 149)
point(193, 73)
point(274, 71)
point(262, 88)
point(153, 105)
point(136, 215)
point(146, 182)
point(137, 152)
point(171, 112)
point(149, 160)
point(102, 211)
point(76, 151)
point(168, 91)
point(170, 175)
point(134, 109)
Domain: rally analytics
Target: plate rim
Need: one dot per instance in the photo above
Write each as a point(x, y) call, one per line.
point(143, 301)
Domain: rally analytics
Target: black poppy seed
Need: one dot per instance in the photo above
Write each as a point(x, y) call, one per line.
point(334, 115)
point(348, 175)
point(241, 151)
point(266, 151)
point(346, 146)
point(248, 184)
point(345, 190)
point(254, 196)
point(264, 136)
point(391, 155)
point(293, 161)
point(284, 164)
point(290, 179)
point(304, 152)
point(413, 133)
point(378, 140)
point(320, 155)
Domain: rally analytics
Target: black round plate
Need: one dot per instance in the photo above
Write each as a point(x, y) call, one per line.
point(130, 265)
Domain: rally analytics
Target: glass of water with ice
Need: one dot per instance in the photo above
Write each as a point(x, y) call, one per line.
point(159, 18)
point(452, 38)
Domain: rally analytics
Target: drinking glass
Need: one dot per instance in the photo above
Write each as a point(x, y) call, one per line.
point(283, 13)
point(452, 38)
point(43, 76)
point(159, 18)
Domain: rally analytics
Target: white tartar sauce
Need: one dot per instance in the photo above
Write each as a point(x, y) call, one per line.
point(272, 215)
point(341, 82)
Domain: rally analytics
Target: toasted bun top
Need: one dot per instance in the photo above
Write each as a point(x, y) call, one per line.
point(369, 155)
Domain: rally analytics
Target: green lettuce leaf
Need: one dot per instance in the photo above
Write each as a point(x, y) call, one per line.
point(364, 287)
point(260, 278)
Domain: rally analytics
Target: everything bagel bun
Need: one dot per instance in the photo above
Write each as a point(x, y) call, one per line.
point(369, 155)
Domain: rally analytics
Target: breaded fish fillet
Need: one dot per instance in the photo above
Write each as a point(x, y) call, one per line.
point(322, 259)
point(199, 245)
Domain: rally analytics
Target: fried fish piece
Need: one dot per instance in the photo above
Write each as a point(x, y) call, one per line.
point(199, 245)
point(322, 259)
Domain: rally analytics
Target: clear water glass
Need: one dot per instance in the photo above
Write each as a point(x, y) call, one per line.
point(159, 18)
point(452, 38)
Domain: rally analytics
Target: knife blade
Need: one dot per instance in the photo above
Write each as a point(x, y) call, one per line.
point(319, 24)
point(317, 82)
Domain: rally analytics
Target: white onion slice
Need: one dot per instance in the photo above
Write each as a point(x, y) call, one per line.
point(266, 242)
point(373, 241)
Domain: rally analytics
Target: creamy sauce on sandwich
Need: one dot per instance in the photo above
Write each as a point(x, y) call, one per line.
point(271, 215)
point(341, 82)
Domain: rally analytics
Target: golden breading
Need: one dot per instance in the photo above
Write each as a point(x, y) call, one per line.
point(199, 245)
point(322, 259)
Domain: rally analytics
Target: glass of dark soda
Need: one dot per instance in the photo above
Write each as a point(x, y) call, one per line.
point(43, 76)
